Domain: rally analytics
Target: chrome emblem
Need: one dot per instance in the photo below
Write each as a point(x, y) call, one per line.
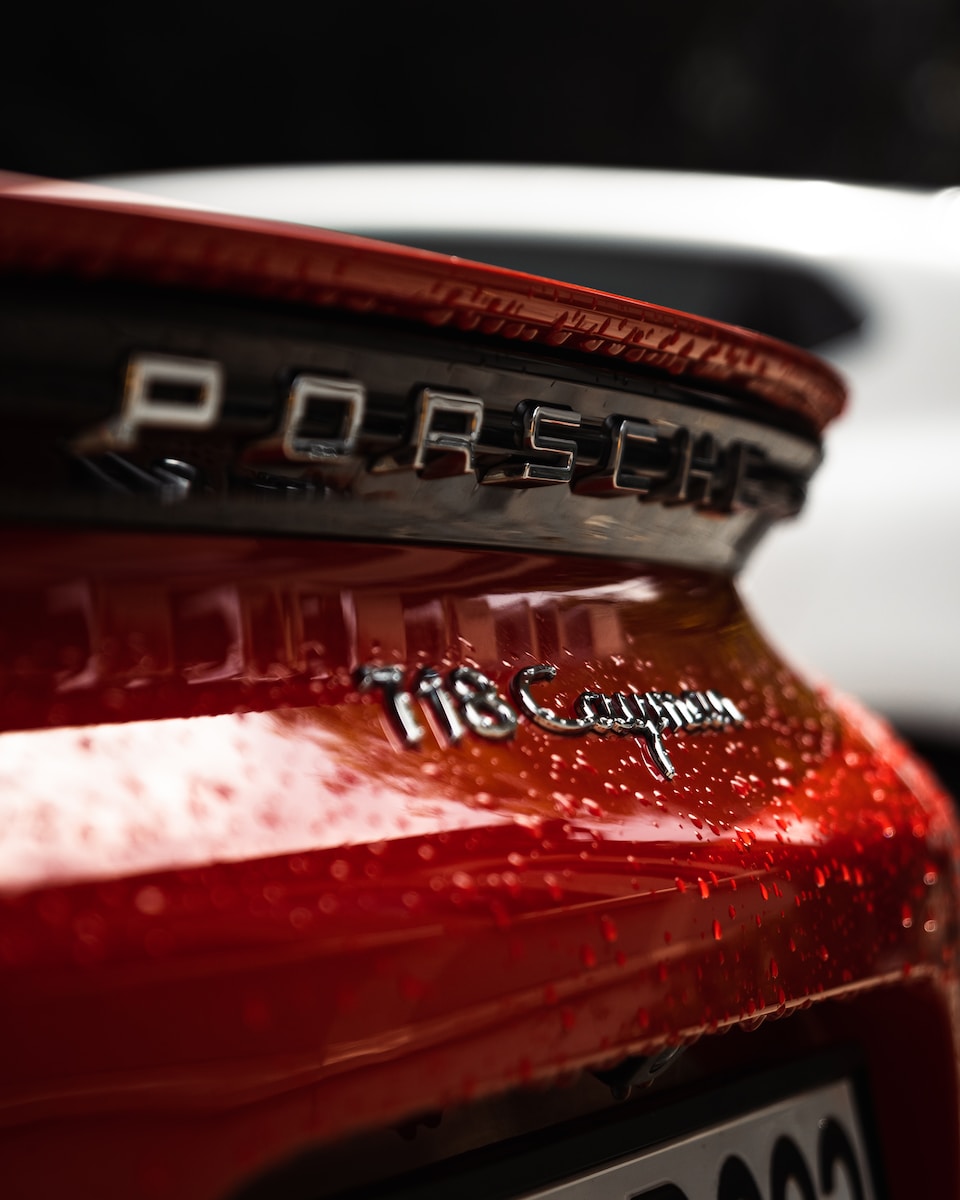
point(467, 700)
point(326, 422)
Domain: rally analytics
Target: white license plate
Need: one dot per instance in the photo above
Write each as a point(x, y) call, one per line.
point(808, 1147)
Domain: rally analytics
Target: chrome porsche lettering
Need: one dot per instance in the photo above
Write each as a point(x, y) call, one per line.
point(632, 464)
point(467, 699)
point(552, 459)
point(446, 429)
point(697, 473)
point(321, 421)
point(162, 391)
point(326, 431)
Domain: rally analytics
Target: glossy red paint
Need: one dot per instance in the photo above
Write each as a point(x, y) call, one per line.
point(239, 918)
point(82, 231)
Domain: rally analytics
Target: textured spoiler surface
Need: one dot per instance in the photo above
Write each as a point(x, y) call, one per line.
point(86, 231)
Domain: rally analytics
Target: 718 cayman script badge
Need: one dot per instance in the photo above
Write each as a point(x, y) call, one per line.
point(467, 700)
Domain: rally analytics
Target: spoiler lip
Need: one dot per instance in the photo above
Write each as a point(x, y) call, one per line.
point(79, 230)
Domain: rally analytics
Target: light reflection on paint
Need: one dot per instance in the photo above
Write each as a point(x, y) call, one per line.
point(113, 800)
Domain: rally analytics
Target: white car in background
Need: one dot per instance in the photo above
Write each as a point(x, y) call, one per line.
point(862, 589)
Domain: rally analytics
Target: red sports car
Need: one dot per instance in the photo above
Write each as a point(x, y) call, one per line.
point(397, 799)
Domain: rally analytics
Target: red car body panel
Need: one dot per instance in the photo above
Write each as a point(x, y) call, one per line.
point(239, 918)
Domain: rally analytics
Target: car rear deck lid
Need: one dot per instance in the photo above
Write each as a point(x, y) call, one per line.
point(187, 367)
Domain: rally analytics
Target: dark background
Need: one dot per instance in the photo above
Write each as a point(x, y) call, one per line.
point(863, 90)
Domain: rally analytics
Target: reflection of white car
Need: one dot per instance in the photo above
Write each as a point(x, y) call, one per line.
point(863, 587)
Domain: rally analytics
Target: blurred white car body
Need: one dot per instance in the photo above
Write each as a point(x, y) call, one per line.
point(862, 589)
